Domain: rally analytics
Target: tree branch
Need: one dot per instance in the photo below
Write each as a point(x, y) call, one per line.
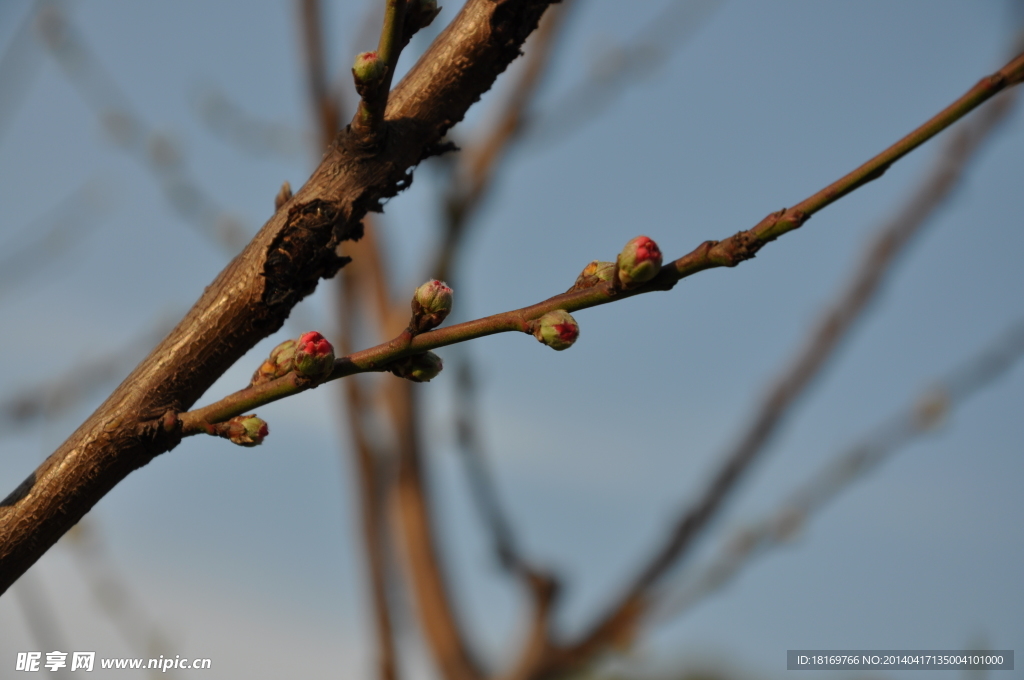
point(710, 254)
point(251, 298)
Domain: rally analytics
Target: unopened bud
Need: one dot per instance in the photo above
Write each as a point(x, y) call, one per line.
point(422, 367)
point(314, 356)
point(593, 274)
point(279, 364)
point(421, 13)
point(639, 262)
point(431, 303)
point(244, 430)
point(368, 70)
point(557, 329)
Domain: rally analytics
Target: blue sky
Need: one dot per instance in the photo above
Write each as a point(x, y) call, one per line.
point(249, 556)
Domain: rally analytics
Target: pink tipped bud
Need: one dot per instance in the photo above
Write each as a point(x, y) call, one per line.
point(314, 356)
point(244, 430)
point(639, 262)
point(279, 364)
point(557, 329)
point(431, 303)
point(422, 367)
point(368, 69)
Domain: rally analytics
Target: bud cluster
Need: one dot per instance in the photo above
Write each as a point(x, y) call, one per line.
point(311, 355)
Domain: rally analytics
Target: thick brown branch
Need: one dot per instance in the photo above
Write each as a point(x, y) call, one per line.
point(253, 295)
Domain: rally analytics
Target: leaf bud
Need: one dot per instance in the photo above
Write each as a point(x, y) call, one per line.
point(279, 364)
point(368, 70)
point(594, 273)
point(422, 367)
point(244, 430)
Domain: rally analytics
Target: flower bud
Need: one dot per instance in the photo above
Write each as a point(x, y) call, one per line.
point(639, 262)
point(422, 367)
point(244, 430)
point(557, 329)
point(279, 364)
point(421, 13)
point(368, 70)
point(314, 356)
point(431, 303)
point(593, 274)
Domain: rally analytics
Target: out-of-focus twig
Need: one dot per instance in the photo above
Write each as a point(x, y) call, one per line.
point(324, 105)
point(243, 130)
point(156, 151)
point(478, 161)
point(40, 617)
point(18, 67)
point(364, 272)
point(619, 66)
point(41, 241)
point(48, 400)
point(121, 606)
point(931, 408)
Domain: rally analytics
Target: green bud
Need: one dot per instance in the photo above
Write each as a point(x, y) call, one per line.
point(422, 367)
point(279, 364)
point(244, 430)
point(368, 69)
point(594, 273)
point(431, 303)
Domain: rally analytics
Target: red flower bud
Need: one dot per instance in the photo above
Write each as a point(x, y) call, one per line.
point(557, 329)
point(639, 262)
point(314, 356)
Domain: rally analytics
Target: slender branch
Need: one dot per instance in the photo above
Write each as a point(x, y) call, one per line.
point(710, 254)
point(251, 298)
point(622, 618)
point(844, 470)
point(369, 118)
